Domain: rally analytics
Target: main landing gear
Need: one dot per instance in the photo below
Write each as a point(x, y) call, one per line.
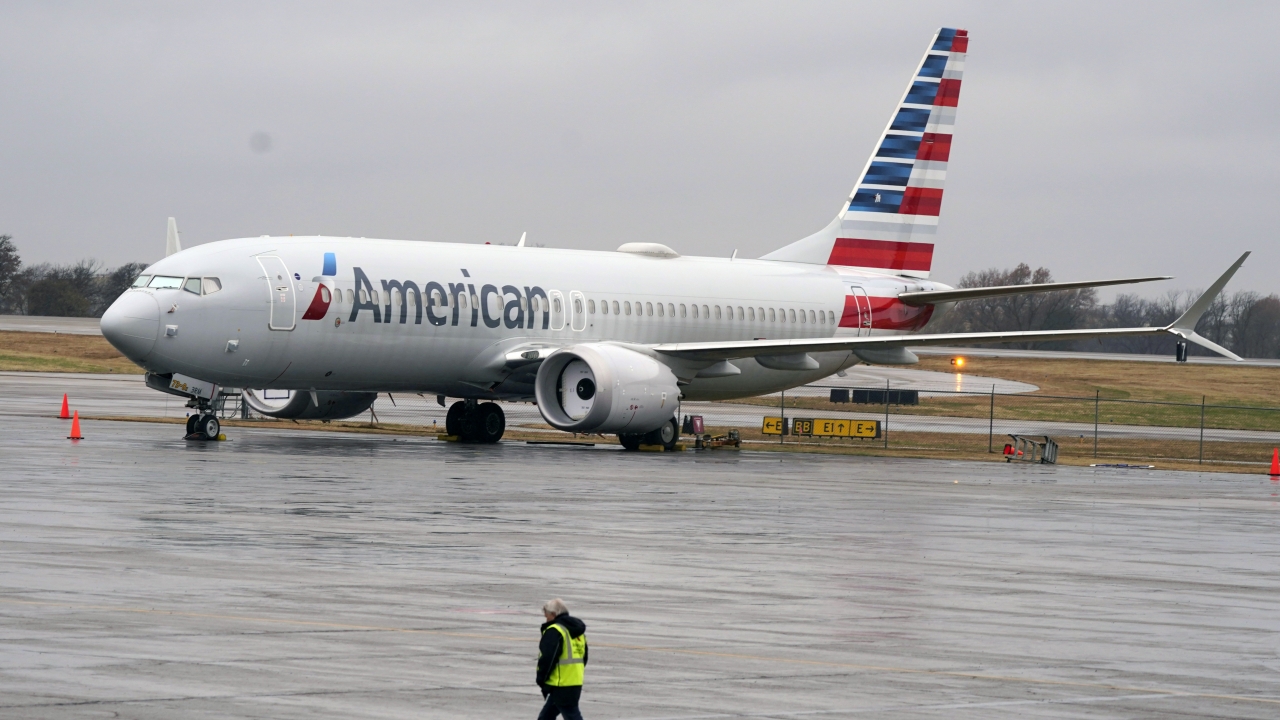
point(473, 422)
point(203, 423)
point(667, 436)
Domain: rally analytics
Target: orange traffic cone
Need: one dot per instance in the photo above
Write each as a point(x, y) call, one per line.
point(75, 428)
point(66, 410)
point(1275, 462)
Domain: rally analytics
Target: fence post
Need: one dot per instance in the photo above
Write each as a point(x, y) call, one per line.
point(1202, 429)
point(991, 424)
point(1097, 397)
point(886, 414)
point(782, 409)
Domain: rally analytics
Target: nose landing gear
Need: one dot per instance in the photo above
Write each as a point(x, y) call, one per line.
point(203, 424)
point(473, 422)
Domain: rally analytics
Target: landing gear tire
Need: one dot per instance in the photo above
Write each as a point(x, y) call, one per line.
point(484, 423)
point(453, 419)
point(192, 421)
point(630, 441)
point(667, 436)
point(490, 424)
point(209, 427)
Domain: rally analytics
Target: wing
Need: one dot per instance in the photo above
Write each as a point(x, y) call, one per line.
point(1183, 327)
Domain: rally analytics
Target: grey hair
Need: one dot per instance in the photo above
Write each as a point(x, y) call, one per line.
point(555, 607)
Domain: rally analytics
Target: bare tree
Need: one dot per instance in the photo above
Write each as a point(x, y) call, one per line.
point(1031, 311)
point(10, 268)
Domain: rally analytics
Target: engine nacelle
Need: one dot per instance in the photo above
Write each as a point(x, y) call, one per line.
point(598, 387)
point(298, 404)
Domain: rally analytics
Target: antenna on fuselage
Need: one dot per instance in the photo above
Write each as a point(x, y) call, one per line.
point(522, 236)
point(734, 256)
point(172, 243)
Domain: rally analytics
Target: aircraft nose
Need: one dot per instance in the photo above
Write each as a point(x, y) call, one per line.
point(131, 324)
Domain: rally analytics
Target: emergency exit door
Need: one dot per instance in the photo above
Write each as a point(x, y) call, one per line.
point(280, 286)
point(858, 308)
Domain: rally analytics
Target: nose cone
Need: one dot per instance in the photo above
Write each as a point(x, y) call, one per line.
point(132, 323)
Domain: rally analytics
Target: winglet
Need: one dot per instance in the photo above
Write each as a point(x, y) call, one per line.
point(1185, 326)
point(172, 243)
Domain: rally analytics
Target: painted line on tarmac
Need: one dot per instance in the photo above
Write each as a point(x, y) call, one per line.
point(652, 649)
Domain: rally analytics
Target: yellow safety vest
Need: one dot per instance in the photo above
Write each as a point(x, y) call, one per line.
point(569, 669)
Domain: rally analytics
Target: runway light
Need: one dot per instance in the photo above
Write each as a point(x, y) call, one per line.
point(957, 361)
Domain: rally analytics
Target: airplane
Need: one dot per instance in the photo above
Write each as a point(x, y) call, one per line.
point(602, 342)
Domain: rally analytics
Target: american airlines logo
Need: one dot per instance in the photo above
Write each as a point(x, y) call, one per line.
point(440, 303)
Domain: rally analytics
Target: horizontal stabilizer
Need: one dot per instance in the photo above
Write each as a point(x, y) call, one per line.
point(933, 297)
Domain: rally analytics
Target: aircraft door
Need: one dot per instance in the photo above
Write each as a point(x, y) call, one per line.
point(862, 307)
point(280, 287)
point(578, 306)
point(557, 309)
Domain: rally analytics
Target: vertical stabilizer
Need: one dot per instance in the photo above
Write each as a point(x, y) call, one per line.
point(889, 222)
point(172, 243)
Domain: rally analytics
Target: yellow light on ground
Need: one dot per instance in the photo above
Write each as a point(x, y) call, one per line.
point(957, 361)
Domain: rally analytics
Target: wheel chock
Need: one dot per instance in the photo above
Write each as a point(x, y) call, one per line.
point(448, 438)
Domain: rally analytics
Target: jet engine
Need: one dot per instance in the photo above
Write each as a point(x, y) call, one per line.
point(300, 405)
point(603, 388)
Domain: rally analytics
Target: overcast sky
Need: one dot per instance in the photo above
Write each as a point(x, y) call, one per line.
point(1098, 140)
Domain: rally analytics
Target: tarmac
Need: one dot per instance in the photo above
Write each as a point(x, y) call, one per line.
point(296, 574)
point(125, 395)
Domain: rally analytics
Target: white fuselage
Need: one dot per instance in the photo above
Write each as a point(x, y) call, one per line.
point(479, 303)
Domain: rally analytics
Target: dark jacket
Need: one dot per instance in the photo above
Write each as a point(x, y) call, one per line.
point(549, 649)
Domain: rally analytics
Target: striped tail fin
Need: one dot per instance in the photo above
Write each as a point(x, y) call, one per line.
point(889, 222)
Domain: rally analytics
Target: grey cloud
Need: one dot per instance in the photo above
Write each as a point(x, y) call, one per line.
point(1096, 139)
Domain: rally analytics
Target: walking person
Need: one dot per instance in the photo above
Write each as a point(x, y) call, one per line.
point(562, 662)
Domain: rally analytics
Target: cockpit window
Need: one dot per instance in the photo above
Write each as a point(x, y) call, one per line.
point(192, 285)
point(142, 281)
point(212, 285)
point(164, 282)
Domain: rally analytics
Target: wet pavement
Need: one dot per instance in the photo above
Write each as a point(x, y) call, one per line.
point(39, 394)
point(297, 574)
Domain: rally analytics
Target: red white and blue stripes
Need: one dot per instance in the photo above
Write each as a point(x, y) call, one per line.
point(892, 215)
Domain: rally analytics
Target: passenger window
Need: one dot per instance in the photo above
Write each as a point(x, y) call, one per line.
point(695, 312)
point(772, 317)
point(706, 313)
point(741, 315)
point(555, 306)
point(811, 317)
point(752, 312)
point(683, 312)
point(351, 297)
point(671, 309)
point(626, 306)
point(325, 297)
point(717, 312)
point(761, 311)
point(616, 310)
point(604, 307)
point(577, 306)
point(375, 297)
point(660, 310)
point(192, 285)
point(822, 317)
point(164, 282)
point(648, 309)
point(462, 300)
point(831, 316)
point(141, 281)
point(591, 306)
point(791, 315)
